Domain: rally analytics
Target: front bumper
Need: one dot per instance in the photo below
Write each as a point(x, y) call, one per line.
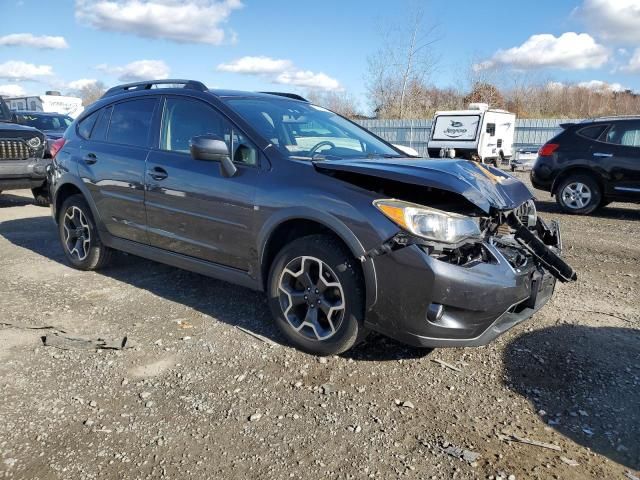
point(28, 173)
point(478, 303)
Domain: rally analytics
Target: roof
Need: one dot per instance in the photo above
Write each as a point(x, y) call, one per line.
point(471, 112)
point(192, 85)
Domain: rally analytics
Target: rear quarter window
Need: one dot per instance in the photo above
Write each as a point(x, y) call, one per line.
point(593, 132)
point(86, 125)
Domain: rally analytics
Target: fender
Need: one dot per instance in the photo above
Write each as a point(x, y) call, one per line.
point(67, 179)
point(332, 223)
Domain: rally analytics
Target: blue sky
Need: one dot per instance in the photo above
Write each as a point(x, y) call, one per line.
point(293, 45)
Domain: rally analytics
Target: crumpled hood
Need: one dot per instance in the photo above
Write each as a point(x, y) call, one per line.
point(484, 186)
point(14, 130)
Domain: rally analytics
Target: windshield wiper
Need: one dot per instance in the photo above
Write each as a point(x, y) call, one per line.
point(383, 155)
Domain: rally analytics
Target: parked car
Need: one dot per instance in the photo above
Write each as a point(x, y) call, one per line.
point(21, 157)
point(591, 164)
point(52, 125)
point(345, 234)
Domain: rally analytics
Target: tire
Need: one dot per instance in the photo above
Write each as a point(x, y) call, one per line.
point(578, 194)
point(75, 221)
point(319, 322)
point(41, 195)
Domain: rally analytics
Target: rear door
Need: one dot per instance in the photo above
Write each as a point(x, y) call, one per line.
point(112, 165)
point(191, 208)
point(619, 151)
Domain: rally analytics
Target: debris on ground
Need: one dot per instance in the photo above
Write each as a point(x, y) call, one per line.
point(516, 438)
point(258, 336)
point(68, 342)
point(445, 364)
point(465, 454)
point(570, 462)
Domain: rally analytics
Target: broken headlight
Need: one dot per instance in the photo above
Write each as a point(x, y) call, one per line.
point(428, 222)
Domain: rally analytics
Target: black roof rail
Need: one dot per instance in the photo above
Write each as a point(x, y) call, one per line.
point(147, 85)
point(294, 96)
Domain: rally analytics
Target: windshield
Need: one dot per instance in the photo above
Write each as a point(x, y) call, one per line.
point(45, 122)
point(305, 131)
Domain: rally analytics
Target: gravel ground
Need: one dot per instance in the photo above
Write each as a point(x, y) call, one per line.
point(196, 396)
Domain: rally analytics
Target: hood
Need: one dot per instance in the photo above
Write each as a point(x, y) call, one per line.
point(484, 186)
point(14, 130)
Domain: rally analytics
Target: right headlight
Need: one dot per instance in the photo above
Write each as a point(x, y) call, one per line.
point(429, 223)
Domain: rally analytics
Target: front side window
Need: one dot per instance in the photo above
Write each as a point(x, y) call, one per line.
point(184, 119)
point(626, 134)
point(305, 131)
point(131, 122)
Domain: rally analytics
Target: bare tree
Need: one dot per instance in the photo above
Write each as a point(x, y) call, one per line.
point(92, 92)
point(341, 102)
point(402, 64)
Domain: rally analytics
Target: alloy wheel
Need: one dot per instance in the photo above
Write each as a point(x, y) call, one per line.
point(311, 298)
point(576, 195)
point(77, 234)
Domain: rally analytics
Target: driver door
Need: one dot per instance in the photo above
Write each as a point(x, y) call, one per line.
point(191, 208)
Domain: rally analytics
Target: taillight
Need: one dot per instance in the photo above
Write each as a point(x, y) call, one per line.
point(56, 146)
point(548, 149)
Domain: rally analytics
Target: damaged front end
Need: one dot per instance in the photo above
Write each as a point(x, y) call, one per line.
point(518, 236)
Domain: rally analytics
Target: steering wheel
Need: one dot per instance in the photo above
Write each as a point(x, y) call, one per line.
point(317, 147)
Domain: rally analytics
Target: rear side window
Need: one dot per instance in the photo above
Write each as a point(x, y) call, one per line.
point(86, 125)
point(100, 130)
point(592, 132)
point(626, 134)
point(131, 122)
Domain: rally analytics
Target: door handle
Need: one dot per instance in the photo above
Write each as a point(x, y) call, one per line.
point(603, 155)
point(90, 158)
point(158, 173)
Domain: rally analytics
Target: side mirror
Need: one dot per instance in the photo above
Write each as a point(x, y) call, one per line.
point(213, 149)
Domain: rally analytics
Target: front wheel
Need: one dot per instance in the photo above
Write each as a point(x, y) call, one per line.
point(79, 235)
point(316, 295)
point(579, 194)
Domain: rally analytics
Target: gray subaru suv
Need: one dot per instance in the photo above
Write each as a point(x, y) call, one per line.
point(343, 232)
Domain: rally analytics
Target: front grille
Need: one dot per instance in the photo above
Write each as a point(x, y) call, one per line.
point(13, 150)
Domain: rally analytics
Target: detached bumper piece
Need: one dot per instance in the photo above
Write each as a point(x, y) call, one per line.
point(538, 247)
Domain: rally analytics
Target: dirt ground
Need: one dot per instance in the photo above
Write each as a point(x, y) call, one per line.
point(198, 397)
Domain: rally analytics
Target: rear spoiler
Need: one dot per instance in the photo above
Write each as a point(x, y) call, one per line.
point(564, 126)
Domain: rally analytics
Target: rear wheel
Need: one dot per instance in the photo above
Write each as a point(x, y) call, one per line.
point(79, 235)
point(316, 295)
point(579, 194)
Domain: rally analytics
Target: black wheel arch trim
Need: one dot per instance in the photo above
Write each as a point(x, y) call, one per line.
point(600, 177)
point(331, 223)
point(75, 182)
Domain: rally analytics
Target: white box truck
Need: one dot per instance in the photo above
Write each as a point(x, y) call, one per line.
point(478, 133)
point(51, 102)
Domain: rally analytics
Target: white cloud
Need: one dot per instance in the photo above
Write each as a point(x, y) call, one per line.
point(572, 51)
point(12, 90)
point(256, 65)
point(600, 86)
point(81, 83)
point(634, 63)
point(19, 70)
point(308, 79)
point(138, 70)
point(555, 86)
point(612, 20)
point(280, 71)
point(30, 40)
point(186, 21)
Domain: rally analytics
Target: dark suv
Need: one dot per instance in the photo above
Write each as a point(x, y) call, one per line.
point(591, 164)
point(22, 149)
point(343, 232)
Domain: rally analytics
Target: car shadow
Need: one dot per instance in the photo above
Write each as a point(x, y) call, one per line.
point(583, 382)
point(234, 305)
point(620, 211)
point(7, 200)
